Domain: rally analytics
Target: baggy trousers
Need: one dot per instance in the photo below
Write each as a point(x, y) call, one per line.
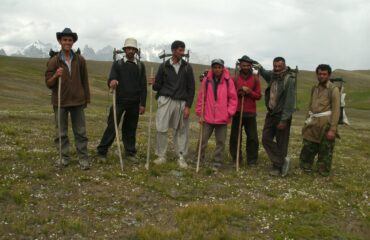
point(170, 115)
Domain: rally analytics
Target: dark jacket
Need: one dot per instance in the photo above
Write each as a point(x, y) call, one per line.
point(75, 89)
point(285, 105)
point(179, 86)
point(131, 83)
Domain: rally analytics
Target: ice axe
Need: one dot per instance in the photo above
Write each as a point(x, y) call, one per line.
point(150, 122)
point(201, 122)
point(116, 126)
point(59, 120)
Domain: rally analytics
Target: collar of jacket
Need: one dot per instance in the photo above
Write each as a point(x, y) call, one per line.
point(327, 85)
point(168, 63)
point(281, 75)
point(62, 57)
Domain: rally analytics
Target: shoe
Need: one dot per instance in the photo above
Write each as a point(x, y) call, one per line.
point(275, 172)
point(182, 162)
point(216, 166)
point(132, 158)
point(285, 167)
point(63, 163)
point(84, 165)
point(101, 158)
point(160, 160)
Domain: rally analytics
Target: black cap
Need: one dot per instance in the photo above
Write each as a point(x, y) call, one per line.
point(217, 61)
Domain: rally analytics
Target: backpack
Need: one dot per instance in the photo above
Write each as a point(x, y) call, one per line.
point(339, 82)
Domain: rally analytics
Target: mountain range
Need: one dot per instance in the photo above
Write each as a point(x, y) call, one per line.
point(149, 53)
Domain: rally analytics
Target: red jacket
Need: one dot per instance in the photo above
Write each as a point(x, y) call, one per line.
point(253, 83)
point(221, 110)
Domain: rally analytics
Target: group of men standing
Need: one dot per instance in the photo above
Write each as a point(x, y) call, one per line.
point(222, 99)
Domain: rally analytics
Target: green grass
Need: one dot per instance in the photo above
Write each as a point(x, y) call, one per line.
point(39, 201)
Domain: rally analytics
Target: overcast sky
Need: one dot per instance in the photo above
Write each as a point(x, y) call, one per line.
point(305, 32)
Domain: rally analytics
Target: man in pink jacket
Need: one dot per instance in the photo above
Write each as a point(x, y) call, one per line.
point(217, 93)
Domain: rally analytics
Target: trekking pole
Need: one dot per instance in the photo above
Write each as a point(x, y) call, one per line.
point(150, 123)
point(116, 127)
point(239, 134)
point(201, 130)
point(59, 120)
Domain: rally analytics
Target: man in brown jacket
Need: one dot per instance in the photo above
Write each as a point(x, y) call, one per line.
point(320, 127)
point(75, 95)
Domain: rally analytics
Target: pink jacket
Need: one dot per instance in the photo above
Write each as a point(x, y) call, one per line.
point(221, 110)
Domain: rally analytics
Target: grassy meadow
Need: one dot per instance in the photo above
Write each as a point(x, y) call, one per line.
point(40, 201)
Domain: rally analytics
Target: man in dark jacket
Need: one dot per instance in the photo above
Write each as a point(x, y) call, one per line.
point(74, 97)
point(280, 104)
point(128, 77)
point(248, 85)
point(175, 86)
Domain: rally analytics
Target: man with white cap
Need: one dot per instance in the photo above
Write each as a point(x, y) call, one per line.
point(128, 77)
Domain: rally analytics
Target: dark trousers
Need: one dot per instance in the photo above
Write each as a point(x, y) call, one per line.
point(250, 128)
point(275, 141)
point(129, 126)
point(79, 131)
point(324, 151)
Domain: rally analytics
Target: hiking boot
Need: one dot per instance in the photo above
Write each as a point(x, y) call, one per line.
point(275, 172)
point(160, 161)
point(182, 163)
point(84, 165)
point(285, 167)
point(101, 158)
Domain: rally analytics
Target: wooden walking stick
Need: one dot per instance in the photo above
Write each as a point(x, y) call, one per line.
point(116, 127)
point(59, 120)
point(150, 122)
point(239, 134)
point(201, 130)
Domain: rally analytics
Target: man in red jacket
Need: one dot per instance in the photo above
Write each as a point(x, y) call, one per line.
point(248, 85)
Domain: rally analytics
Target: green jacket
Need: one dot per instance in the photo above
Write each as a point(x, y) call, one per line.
point(285, 105)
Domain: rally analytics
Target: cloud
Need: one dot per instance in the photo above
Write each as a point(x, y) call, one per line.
point(305, 32)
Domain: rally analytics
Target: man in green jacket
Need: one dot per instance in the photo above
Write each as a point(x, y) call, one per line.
point(70, 67)
point(320, 127)
point(280, 104)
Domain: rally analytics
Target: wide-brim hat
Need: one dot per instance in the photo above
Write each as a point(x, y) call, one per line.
point(130, 42)
point(67, 32)
point(245, 58)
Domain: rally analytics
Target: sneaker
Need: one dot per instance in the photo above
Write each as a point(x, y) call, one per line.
point(275, 172)
point(84, 165)
point(101, 158)
point(160, 160)
point(182, 162)
point(285, 167)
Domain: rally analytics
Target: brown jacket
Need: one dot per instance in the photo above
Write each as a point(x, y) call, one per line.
point(75, 89)
point(322, 99)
